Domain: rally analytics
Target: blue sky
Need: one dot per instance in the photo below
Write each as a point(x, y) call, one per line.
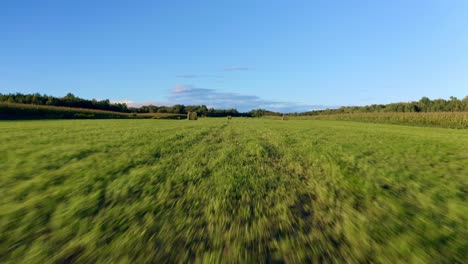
point(280, 55)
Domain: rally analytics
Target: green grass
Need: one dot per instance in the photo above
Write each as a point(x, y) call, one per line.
point(15, 111)
point(457, 120)
point(244, 190)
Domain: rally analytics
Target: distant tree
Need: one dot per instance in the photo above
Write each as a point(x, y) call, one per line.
point(465, 103)
point(455, 104)
point(152, 109)
point(424, 104)
point(178, 109)
point(163, 109)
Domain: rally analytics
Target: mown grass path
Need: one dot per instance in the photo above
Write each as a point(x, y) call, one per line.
point(244, 190)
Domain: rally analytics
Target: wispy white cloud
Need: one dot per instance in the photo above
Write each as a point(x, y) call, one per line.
point(193, 76)
point(237, 68)
point(190, 95)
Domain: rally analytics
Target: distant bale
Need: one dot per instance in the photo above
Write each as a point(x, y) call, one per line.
point(285, 117)
point(192, 116)
point(229, 117)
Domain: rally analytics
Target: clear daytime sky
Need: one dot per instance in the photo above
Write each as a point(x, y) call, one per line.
point(280, 55)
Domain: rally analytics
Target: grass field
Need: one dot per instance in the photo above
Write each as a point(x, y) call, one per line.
point(244, 190)
point(14, 111)
point(458, 120)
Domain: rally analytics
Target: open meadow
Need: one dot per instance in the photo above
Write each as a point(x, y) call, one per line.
point(240, 190)
point(457, 120)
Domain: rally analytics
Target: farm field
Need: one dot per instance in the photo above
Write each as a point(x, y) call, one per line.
point(15, 111)
point(243, 190)
point(457, 120)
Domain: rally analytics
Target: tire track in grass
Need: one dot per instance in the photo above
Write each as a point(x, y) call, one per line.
point(376, 217)
point(260, 210)
point(317, 207)
point(313, 208)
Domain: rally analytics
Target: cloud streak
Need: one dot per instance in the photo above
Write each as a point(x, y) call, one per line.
point(190, 95)
point(194, 76)
point(237, 68)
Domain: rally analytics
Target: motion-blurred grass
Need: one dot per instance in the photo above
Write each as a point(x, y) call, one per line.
point(244, 190)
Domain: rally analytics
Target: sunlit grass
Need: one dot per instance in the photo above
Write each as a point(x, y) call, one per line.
point(241, 190)
point(431, 119)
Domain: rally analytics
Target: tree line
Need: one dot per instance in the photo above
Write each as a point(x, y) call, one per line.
point(202, 110)
point(423, 105)
point(70, 100)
